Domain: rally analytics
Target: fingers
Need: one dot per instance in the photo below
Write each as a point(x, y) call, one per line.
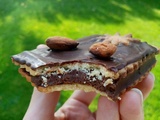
point(83, 97)
point(146, 85)
point(41, 46)
point(131, 105)
point(42, 105)
point(107, 109)
point(76, 107)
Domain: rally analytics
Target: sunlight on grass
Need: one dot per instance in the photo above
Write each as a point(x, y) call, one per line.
point(157, 11)
point(25, 24)
point(122, 5)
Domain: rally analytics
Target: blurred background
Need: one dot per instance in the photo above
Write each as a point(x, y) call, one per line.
point(26, 23)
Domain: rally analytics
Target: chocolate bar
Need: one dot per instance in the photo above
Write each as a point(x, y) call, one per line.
point(106, 64)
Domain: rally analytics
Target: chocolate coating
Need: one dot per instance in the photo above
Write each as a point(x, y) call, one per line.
point(124, 55)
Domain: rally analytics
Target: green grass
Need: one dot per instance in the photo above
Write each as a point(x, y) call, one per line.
point(26, 23)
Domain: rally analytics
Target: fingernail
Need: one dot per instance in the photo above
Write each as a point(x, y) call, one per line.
point(41, 46)
point(152, 75)
point(59, 116)
point(139, 92)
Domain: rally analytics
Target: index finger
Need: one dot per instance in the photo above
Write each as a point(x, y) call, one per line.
point(42, 103)
point(146, 85)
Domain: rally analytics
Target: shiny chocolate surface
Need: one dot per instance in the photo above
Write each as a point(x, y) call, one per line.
point(124, 55)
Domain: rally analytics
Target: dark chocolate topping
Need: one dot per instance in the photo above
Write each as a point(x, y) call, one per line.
point(133, 77)
point(124, 55)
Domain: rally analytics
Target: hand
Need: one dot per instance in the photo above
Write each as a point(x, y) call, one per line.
point(42, 106)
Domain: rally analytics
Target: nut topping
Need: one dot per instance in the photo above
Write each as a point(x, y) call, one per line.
point(108, 46)
point(61, 43)
point(116, 39)
point(103, 49)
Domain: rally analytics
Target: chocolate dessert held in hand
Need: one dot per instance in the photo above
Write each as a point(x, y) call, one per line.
point(108, 65)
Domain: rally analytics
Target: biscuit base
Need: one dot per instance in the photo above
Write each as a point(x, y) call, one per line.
point(74, 86)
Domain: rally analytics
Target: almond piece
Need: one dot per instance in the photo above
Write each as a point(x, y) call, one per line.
point(61, 43)
point(102, 49)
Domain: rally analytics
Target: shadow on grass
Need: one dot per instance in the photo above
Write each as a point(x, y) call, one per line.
point(14, 39)
point(110, 11)
point(106, 12)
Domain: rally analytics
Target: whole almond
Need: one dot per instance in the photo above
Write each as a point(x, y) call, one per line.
point(102, 49)
point(61, 43)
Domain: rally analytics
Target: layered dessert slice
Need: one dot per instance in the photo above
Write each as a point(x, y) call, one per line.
point(108, 65)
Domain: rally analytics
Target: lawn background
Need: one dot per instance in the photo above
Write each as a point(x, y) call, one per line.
point(26, 23)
